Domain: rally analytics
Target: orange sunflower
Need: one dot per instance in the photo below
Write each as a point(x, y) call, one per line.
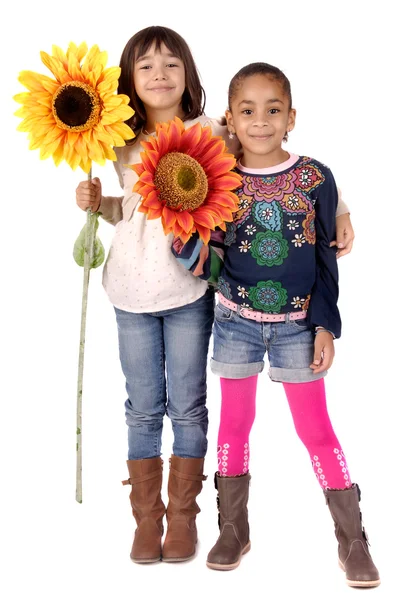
point(185, 178)
point(76, 117)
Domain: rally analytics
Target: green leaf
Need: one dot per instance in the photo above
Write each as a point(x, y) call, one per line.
point(98, 253)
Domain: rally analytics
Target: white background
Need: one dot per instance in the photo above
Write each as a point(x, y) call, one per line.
point(341, 58)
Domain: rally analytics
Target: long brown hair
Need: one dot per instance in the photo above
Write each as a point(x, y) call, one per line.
point(193, 98)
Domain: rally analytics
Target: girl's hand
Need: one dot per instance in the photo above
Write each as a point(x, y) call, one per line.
point(89, 194)
point(345, 235)
point(203, 254)
point(324, 352)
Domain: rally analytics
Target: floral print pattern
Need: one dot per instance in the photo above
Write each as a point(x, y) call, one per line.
point(268, 296)
point(298, 240)
point(268, 215)
point(224, 287)
point(244, 246)
point(231, 235)
point(297, 302)
point(269, 248)
point(305, 305)
point(274, 223)
point(309, 228)
point(270, 187)
point(250, 229)
point(244, 207)
point(308, 176)
point(242, 291)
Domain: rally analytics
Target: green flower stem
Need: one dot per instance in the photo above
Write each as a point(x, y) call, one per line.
point(89, 246)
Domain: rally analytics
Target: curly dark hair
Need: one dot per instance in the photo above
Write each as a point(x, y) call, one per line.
point(259, 68)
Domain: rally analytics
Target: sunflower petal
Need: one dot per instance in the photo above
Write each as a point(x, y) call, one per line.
point(122, 113)
point(123, 130)
point(152, 200)
point(163, 143)
point(190, 139)
point(147, 177)
point(154, 213)
point(203, 217)
point(185, 237)
point(230, 181)
point(148, 164)
point(185, 220)
point(211, 151)
point(138, 168)
point(175, 135)
point(204, 233)
point(220, 165)
point(169, 217)
point(226, 214)
point(80, 147)
point(108, 152)
point(22, 98)
point(86, 165)
point(110, 74)
point(58, 155)
point(227, 199)
point(56, 67)
point(31, 80)
point(58, 53)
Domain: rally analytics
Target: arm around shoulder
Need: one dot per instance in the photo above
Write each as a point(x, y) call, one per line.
point(342, 208)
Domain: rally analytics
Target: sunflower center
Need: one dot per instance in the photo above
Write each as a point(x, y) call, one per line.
point(76, 106)
point(181, 181)
point(186, 179)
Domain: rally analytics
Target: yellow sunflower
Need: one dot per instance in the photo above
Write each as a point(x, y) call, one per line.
point(185, 178)
point(76, 117)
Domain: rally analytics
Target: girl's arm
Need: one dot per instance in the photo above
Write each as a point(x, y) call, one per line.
point(204, 261)
point(342, 208)
point(111, 209)
point(111, 206)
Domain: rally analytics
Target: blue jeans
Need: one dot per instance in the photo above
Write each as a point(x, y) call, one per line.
point(164, 358)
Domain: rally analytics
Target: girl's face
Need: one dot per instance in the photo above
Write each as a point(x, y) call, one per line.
point(159, 79)
point(260, 116)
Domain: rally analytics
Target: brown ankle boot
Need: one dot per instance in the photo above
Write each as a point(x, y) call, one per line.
point(353, 552)
point(184, 484)
point(234, 541)
point(145, 476)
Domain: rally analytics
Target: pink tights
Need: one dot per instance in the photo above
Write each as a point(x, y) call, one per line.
point(307, 402)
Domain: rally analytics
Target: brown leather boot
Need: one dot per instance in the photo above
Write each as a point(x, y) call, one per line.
point(184, 484)
point(234, 541)
point(145, 476)
point(353, 552)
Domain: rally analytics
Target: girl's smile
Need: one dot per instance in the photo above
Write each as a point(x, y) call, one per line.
point(159, 79)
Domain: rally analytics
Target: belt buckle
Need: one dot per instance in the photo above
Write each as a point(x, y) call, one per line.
point(241, 311)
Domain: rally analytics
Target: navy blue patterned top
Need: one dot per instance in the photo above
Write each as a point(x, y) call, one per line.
point(277, 255)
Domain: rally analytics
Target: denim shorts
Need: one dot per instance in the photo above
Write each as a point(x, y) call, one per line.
point(239, 347)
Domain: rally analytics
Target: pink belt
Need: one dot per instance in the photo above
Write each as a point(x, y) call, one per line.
point(259, 316)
